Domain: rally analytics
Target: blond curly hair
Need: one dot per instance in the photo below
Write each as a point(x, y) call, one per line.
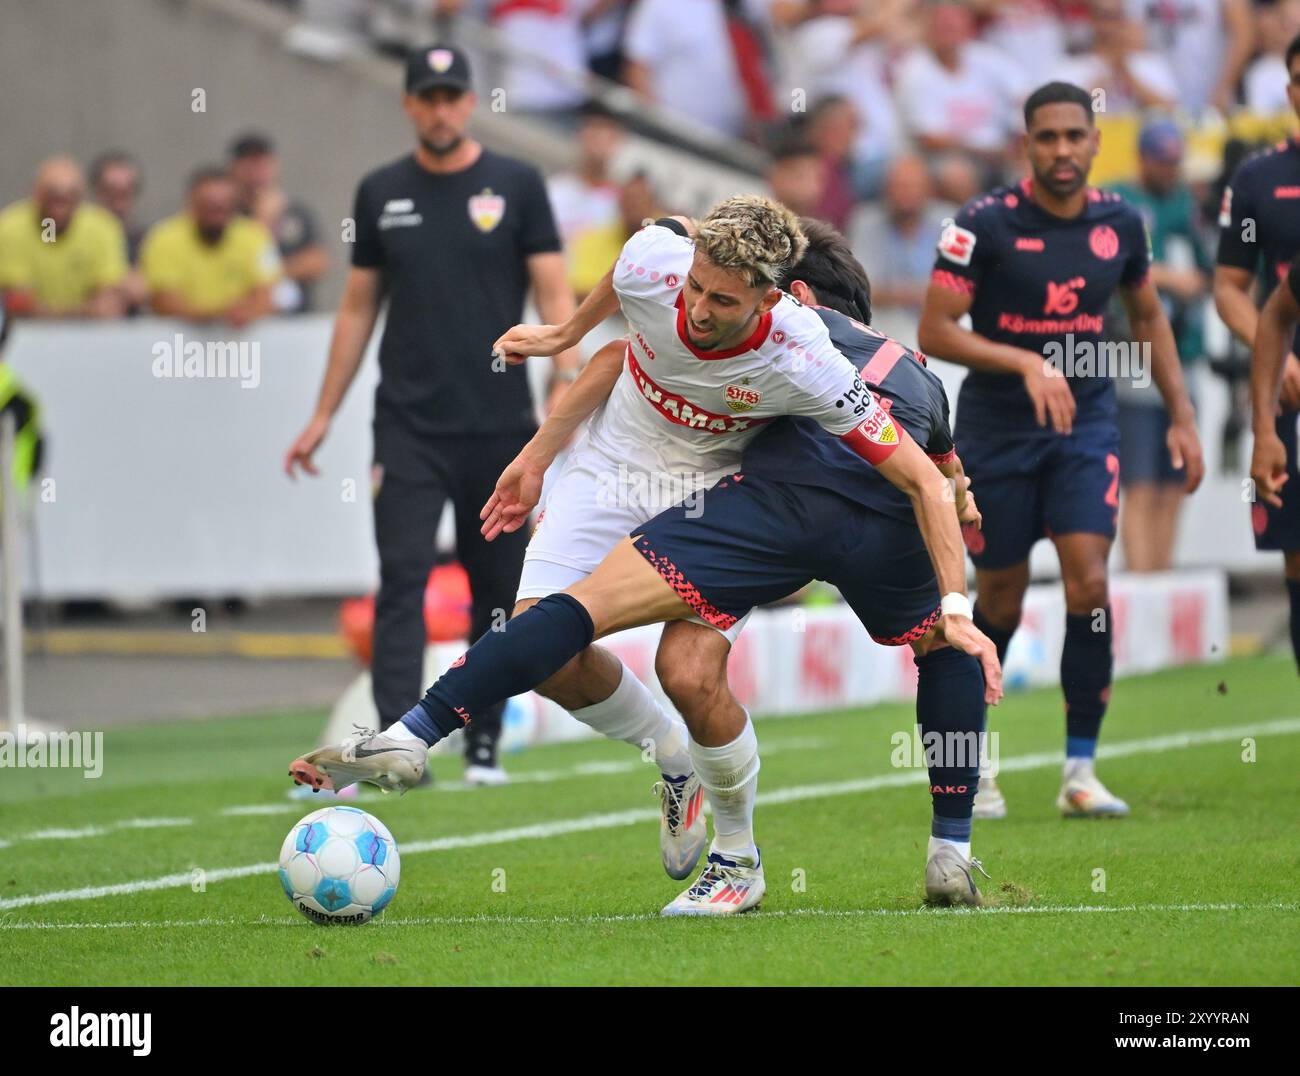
point(755, 235)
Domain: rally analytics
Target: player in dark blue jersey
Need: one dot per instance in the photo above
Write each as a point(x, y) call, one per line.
point(1259, 236)
point(798, 510)
point(1035, 266)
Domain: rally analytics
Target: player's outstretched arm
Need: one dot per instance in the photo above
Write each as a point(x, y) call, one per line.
point(1268, 361)
point(518, 343)
point(912, 471)
point(941, 335)
point(520, 485)
point(1150, 326)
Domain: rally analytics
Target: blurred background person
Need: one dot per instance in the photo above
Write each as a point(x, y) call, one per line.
point(955, 92)
point(61, 257)
point(832, 128)
point(597, 248)
point(547, 54)
point(1263, 86)
point(1182, 272)
point(208, 263)
point(304, 259)
point(894, 238)
point(115, 184)
point(796, 175)
point(1207, 43)
point(1118, 62)
point(586, 198)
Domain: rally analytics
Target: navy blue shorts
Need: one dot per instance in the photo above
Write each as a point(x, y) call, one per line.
point(1143, 451)
point(1279, 528)
point(749, 541)
point(1037, 484)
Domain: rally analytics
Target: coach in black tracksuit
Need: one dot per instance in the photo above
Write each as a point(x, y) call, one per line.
point(452, 236)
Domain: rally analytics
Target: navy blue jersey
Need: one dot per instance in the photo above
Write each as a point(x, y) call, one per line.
point(1259, 219)
point(799, 451)
point(1036, 279)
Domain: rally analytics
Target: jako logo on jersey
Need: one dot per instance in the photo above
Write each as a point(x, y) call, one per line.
point(956, 243)
point(649, 351)
point(740, 398)
point(1104, 242)
point(681, 411)
point(1028, 243)
point(1062, 298)
point(486, 209)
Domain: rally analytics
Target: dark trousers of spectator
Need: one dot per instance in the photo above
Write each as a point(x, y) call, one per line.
point(418, 479)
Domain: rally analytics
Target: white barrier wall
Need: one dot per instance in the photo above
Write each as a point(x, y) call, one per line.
point(170, 486)
point(792, 660)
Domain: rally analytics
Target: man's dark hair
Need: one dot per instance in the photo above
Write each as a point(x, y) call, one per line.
point(830, 269)
point(1292, 51)
point(250, 144)
point(206, 174)
point(1057, 93)
point(791, 144)
point(107, 160)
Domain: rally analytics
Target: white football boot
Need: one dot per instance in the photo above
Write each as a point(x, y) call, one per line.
point(395, 765)
point(948, 877)
point(725, 887)
point(476, 774)
point(683, 832)
point(1084, 796)
point(988, 800)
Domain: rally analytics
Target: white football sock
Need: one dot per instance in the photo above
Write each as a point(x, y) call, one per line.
point(1077, 767)
point(729, 775)
point(633, 715)
point(398, 731)
point(937, 842)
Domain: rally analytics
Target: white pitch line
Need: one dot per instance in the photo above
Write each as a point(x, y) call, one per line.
point(588, 823)
point(60, 834)
point(651, 917)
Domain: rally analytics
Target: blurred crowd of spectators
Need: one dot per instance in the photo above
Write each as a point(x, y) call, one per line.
point(238, 249)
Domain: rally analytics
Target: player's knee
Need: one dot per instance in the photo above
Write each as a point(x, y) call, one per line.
point(1001, 605)
point(1087, 591)
point(691, 681)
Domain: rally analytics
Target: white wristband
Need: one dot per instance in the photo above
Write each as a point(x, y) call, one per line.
point(955, 603)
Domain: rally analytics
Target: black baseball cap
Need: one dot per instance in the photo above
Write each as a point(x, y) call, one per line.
point(431, 66)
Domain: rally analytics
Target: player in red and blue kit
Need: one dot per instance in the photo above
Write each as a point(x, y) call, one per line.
point(1035, 266)
point(1259, 235)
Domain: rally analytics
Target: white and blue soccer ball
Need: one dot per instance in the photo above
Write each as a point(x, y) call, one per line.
point(340, 865)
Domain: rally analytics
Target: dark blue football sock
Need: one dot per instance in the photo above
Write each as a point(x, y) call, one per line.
point(950, 713)
point(1086, 668)
point(1293, 592)
point(529, 649)
point(1001, 638)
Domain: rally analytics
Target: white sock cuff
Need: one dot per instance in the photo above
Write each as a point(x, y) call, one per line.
point(619, 715)
point(730, 767)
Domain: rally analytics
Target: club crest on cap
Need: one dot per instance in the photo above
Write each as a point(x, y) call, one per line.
point(440, 59)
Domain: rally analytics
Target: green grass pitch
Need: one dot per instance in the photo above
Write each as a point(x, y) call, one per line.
point(556, 879)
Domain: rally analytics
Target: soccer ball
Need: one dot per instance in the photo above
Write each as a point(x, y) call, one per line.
point(339, 865)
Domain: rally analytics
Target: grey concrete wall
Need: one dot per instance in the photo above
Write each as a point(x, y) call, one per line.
point(82, 76)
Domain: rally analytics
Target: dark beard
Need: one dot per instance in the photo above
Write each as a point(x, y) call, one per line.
point(442, 151)
point(212, 236)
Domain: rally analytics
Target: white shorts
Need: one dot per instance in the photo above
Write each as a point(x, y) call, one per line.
point(589, 509)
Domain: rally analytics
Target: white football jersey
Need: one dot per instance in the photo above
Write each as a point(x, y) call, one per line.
point(687, 411)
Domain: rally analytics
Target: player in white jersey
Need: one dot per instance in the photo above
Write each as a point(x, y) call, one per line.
point(715, 351)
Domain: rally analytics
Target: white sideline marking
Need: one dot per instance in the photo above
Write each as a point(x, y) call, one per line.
point(59, 834)
point(650, 917)
point(588, 823)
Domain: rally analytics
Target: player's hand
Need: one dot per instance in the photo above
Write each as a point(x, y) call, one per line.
point(1185, 451)
point(1268, 467)
point(961, 632)
point(301, 451)
point(970, 513)
point(1051, 396)
point(517, 344)
point(1291, 384)
point(517, 492)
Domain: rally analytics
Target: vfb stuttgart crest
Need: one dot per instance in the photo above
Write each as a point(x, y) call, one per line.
point(741, 397)
point(486, 209)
